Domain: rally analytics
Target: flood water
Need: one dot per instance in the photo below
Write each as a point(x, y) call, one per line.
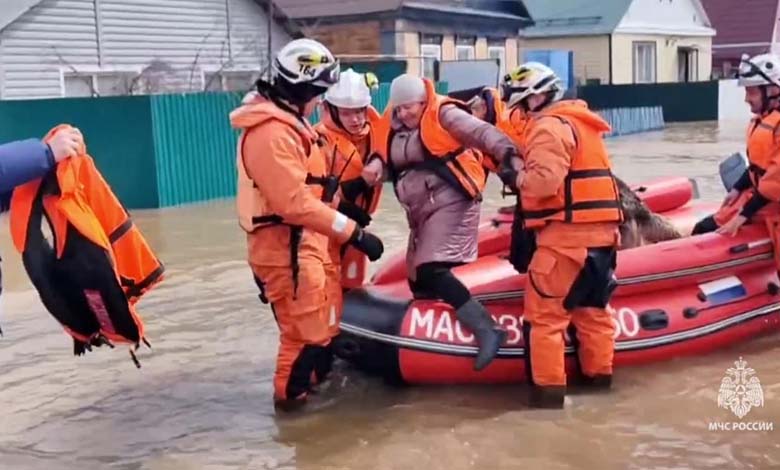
point(203, 397)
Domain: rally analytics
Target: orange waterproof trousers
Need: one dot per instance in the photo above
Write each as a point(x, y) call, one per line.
point(552, 274)
point(304, 316)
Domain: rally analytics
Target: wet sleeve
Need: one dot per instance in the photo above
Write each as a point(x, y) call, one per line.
point(743, 182)
point(23, 161)
point(754, 204)
point(275, 161)
point(547, 158)
point(475, 133)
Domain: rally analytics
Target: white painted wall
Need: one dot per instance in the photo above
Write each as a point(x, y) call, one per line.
point(679, 17)
point(181, 39)
point(731, 103)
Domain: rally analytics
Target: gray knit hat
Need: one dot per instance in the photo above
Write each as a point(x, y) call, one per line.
point(407, 88)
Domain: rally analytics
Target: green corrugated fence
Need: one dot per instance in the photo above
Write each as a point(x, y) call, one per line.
point(633, 120)
point(118, 132)
point(155, 151)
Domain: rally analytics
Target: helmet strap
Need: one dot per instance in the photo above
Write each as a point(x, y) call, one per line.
point(334, 116)
point(766, 99)
point(548, 98)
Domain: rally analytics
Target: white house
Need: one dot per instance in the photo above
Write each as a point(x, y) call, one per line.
point(624, 41)
point(66, 48)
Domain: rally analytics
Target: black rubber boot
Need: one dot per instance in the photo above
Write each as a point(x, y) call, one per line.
point(597, 382)
point(547, 397)
point(488, 334)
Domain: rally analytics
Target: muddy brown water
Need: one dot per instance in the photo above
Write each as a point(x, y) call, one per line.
point(202, 398)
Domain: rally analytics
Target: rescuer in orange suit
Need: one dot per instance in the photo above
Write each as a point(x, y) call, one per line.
point(570, 211)
point(282, 182)
point(353, 131)
point(757, 193)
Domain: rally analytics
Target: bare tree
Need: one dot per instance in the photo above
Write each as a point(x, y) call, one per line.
point(86, 78)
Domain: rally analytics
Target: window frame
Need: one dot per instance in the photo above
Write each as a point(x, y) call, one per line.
point(637, 46)
point(502, 59)
point(425, 55)
point(93, 74)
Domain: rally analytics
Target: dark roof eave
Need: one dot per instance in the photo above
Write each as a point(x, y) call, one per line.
point(336, 19)
point(426, 14)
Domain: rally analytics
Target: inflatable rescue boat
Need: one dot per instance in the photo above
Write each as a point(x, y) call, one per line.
point(674, 197)
point(680, 297)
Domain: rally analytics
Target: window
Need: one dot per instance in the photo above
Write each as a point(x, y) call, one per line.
point(100, 83)
point(498, 53)
point(687, 64)
point(229, 80)
point(644, 62)
point(430, 54)
point(464, 52)
point(464, 47)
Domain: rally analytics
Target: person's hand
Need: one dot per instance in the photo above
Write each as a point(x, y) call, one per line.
point(66, 143)
point(372, 172)
point(367, 243)
point(732, 226)
point(730, 198)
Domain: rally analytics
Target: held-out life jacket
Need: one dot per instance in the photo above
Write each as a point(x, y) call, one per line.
point(99, 265)
point(589, 193)
point(461, 167)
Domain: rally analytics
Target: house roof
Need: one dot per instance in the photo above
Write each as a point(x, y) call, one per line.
point(574, 17)
point(310, 9)
point(743, 26)
point(13, 9)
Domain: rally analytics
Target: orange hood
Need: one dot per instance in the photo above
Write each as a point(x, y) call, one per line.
point(256, 109)
point(578, 109)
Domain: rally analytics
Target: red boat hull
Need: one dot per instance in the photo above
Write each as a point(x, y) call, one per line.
point(678, 298)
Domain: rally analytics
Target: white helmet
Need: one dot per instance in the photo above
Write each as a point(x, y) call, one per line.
point(306, 61)
point(531, 78)
point(353, 91)
point(763, 69)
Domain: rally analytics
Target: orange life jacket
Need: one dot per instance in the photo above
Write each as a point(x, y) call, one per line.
point(344, 159)
point(461, 167)
point(253, 211)
point(589, 193)
point(762, 147)
point(100, 264)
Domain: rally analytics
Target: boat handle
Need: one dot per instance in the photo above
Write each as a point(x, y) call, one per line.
point(749, 246)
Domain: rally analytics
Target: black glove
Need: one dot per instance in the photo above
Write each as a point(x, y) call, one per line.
point(367, 243)
point(508, 177)
point(354, 212)
point(353, 188)
point(506, 170)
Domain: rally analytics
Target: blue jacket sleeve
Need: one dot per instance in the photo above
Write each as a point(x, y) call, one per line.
point(23, 161)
